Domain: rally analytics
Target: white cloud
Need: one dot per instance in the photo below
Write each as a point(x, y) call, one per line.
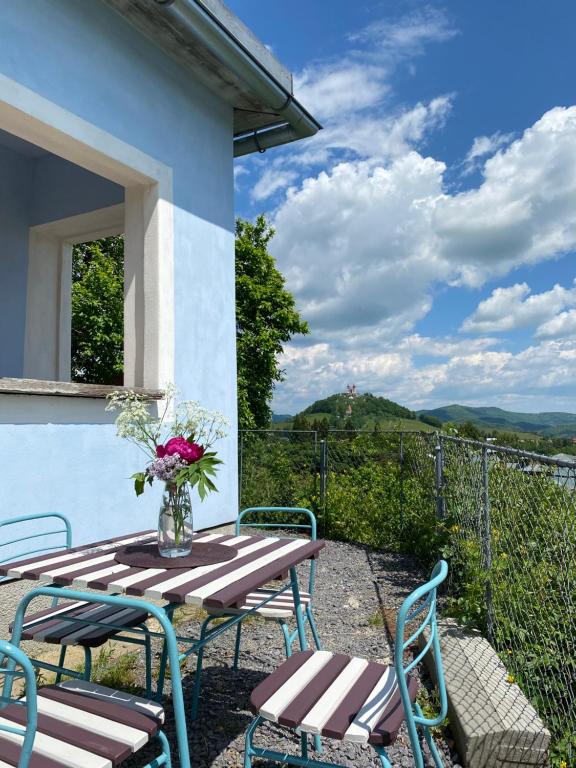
point(482, 147)
point(354, 244)
point(364, 244)
point(352, 95)
point(537, 378)
point(509, 308)
point(561, 326)
point(239, 170)
point(330, 89)
point(523, 212)
point(407, 36)
point(270, 182)
point(360, 78)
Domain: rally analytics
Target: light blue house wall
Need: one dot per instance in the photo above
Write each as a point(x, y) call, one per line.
point(62, 453)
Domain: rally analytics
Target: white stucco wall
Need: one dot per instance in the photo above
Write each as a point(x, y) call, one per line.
point(86, 59)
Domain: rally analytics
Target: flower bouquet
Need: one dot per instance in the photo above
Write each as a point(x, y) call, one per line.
point(177, 443)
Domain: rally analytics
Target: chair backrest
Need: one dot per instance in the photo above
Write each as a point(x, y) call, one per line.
point(281, 517)
point(419, 611)
point(27, 531)
point(7, 676)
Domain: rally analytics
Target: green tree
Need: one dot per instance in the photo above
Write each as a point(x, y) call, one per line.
point(266, 318)
point(98, 311)
point(300, 424)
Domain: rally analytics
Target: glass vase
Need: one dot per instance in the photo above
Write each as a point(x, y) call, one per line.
point(175, 522)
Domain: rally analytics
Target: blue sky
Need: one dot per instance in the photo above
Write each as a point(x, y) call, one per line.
point(428, 232)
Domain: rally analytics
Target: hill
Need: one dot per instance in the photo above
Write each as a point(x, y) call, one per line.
point(367, 411)
point(549, 424)
point(364, 407)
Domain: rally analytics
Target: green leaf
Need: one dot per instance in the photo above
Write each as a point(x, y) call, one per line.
point(139, 480)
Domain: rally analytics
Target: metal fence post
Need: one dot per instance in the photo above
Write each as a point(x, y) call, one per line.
point(401, 480)
point(240, 468)
point(486, 534)
point(439, 478)
point(323, 480)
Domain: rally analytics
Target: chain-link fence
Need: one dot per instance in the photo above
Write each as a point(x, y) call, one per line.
point(505, 520)
point(512, 550)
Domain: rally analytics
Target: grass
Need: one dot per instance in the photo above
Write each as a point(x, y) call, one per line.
point(116, 668)
point(376, 619)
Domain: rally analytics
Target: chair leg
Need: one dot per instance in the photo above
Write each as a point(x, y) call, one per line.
point(287, 640)
point(165, 749)
point(61, 660)
point(304, 745)
point(165, 758)
point(163, 662)
point(318, 744)
point(162, 671)
point(430, 740)
point(148, 663)
point(87, 663)
point(237, 645)
point(383, 757)
point(248, 750)
point(433, 748)
point(313, 628)
point(198, 676)
point(414, 740)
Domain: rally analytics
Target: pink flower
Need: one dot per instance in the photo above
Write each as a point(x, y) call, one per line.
point(188, 452)
point(160, 451)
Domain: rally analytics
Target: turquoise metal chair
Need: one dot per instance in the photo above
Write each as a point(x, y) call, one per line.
point(281, 609)
point(73, 723)
point(56, 626)
point(354, 700)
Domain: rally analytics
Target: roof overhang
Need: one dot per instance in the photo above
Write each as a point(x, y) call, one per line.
point(207, 39)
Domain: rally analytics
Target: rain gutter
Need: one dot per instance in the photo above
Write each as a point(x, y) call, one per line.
point(294, 122)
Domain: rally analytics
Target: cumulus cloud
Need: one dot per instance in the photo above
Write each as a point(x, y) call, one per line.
point(561, 326)
point(365, 243)
point(354, 243)
point(368, 231)
point(523, 211)
point(515, 307)
point(466, 371)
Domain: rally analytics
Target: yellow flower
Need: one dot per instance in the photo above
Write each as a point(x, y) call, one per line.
point(509, 651)
point(510, 679)
point(563, 764)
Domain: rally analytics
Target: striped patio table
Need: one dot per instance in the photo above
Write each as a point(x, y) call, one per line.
point(259, 559)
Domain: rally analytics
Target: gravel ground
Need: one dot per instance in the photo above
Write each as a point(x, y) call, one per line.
point(354, 584)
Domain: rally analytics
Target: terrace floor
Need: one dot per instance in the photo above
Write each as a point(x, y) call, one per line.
point(354, 586)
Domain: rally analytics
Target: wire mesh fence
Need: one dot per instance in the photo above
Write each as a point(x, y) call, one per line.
point(512, 549)
point(505, 520)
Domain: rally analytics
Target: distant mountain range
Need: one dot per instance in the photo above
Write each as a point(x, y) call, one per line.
point(549, 424)
point(368, 410)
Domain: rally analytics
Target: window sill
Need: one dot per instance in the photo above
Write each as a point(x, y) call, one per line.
point(70, 389)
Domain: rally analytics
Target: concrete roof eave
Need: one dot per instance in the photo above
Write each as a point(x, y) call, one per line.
point(205, 37)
